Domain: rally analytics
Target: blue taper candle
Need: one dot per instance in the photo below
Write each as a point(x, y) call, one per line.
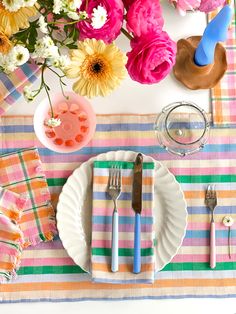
point(215, 32)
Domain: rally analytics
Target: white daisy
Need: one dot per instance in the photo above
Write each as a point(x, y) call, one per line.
point(19, 55)
point(57, 6)
point(28, 94)
point(99, 17)
point(52, 122)
point(43, 25)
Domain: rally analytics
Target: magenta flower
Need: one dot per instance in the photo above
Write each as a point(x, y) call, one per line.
point(127, 3)
point(151, 58)
point(144, 16)
point(111, 29)
point(210, 5)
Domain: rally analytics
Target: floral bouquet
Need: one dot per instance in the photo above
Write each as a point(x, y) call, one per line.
point(75, 39)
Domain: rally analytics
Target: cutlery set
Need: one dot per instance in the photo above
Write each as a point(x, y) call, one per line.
point(114, 191)
point(211, 203)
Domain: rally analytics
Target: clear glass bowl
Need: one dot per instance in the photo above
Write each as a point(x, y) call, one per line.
point(182, 128)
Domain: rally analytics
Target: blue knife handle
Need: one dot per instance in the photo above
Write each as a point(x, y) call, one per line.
point(137, 242)
point(115, 242)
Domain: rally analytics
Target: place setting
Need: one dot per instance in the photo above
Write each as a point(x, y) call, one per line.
point(116, 206)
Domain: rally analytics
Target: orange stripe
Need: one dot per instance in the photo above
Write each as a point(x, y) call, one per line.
point(122, 267)
point(41, 213)
point(125, 180)
point(201, 194)
point(227, 282)
point(9, 235)
point(22, 187)
point(6, 266)
point(29, 156)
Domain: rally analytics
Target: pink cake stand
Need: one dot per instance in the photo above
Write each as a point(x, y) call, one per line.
point(78, 123)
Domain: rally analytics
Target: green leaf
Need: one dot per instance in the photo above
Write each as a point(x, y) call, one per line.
point(72, 46)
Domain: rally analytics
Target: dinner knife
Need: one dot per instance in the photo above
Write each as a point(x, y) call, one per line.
point(137, 207)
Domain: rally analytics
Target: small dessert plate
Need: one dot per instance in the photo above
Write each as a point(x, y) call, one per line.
point(78, 123)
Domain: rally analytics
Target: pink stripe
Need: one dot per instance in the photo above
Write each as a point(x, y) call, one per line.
point(7, 250)
point(203, 171)
point(21, 75)
point(122, 211)
point(122, 244)
point(206, 226)
point(47, 261)
point(206, 241)
point(122, 228)
point(184, 258)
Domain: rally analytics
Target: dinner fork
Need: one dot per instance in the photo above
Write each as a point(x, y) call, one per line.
point(211, 203)
point(114, 191)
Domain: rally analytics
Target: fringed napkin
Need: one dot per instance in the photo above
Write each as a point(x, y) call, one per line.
point(11, 236)
point(22, 173)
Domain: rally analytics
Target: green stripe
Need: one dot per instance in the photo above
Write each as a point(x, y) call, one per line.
point(56, 181)
point(206, 178)
point(38, 270)
point(199, 266)
point(18, 152)
point(9, 243)
point(180, 179)
point(122, 164)
point(224, 98)
point(122, 252)
point(74, 269)
point(31, 196)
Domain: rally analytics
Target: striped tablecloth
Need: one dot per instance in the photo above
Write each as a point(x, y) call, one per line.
point(47, 273)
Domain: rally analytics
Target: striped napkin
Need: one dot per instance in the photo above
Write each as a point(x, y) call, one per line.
point(11, 86)
point(102, 225)
point(22, 173)
point(11, 236)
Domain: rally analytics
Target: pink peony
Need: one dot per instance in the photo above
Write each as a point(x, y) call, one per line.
point(144, 16)
point(151, 58)
point(186, 5)
point(210, 5)
point(127, 3)
point(111, 29)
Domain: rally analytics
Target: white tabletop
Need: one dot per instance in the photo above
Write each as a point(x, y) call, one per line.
point(132, 97)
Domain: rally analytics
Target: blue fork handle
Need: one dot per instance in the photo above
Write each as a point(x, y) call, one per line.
point(115, 242)
point(137, 242)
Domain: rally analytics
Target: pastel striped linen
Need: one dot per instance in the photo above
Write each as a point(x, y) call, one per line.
point(102, 225)
point(11, 86)
point(22, 173)
point(11, 236)
point(47, 273)
point(223, 95)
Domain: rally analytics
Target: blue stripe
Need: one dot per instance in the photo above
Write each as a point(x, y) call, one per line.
point(206, 234)
point(163, 297)
point(16, 129)
point(123, 220)
point(195, 210)
point(8, 84)
point(144, 149)
point(124, 196)
point(28, 72)
point(125, 127)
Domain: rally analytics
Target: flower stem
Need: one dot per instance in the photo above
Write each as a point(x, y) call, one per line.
point(63, 23)
point(127, 34)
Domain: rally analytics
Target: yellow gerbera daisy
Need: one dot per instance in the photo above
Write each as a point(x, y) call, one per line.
point(98, 67)
point(5, 43)
point(12, 22)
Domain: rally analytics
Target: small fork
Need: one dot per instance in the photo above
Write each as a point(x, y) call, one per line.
point(211, 203)
point(114, 191)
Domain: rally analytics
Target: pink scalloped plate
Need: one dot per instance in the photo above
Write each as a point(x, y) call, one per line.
point(78, 123)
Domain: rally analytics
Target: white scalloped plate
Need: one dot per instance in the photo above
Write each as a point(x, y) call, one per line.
point(74, 211)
